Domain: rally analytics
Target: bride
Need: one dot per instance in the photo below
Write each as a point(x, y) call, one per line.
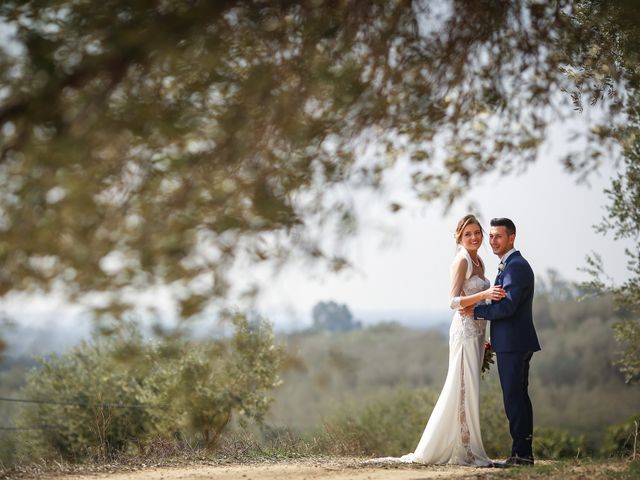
point(452, 434)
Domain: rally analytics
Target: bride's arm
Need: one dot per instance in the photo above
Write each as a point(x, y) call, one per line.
point(458, 273)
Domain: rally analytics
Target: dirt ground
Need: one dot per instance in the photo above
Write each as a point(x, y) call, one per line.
point(308, 470)
point(341, 468)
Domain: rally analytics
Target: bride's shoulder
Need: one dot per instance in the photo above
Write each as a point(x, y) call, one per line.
point(459, 257)
point(459, 261)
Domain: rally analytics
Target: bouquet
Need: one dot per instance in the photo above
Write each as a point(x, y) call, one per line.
point(488, 358)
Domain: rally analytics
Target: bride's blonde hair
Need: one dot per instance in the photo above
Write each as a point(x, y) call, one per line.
point(462, 224)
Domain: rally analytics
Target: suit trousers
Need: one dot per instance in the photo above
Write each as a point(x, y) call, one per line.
point(513, 369)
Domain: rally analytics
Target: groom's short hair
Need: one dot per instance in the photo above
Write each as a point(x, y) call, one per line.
point(504, 222)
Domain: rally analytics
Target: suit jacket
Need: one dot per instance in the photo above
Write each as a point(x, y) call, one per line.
point(511, 318)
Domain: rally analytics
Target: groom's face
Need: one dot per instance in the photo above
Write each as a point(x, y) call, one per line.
point(501, 242)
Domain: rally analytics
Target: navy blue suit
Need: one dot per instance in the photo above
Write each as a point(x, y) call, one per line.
point(514, 339)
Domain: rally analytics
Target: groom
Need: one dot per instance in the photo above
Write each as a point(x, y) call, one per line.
point(513, 337)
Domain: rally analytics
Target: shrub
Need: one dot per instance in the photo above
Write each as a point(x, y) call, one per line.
point(212, 380)
point(554, 443)
point(185, 388)
point(390, 424)
point(619, 439)
point(94, 380)
point(7, 449)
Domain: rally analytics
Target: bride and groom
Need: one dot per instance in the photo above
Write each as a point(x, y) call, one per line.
point(452, 434)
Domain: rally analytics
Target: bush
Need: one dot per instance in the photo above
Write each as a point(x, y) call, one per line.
point(554, 443)
point(7, 449)
point(211, 380)
point(187, 388)
point(91, 377)
point(388, 425)
point(620, 439)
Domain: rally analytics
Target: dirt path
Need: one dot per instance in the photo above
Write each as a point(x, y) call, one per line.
point(308, 470)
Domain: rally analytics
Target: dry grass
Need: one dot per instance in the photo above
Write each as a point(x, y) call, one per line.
point(283, 448)
point(584, 469)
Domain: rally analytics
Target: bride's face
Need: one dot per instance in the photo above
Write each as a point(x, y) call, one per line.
point(471, 237)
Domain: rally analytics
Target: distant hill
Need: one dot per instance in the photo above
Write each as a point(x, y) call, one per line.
point(43, 333)
point(417, 319)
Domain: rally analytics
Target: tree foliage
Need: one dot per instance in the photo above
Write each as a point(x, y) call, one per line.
point(152, 143)
point(627, 333)
point(614, 23)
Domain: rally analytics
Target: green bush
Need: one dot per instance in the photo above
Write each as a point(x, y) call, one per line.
point(619, 439)
point(188, 388)
point(212, 380)
point(90, 375)
point(7, 449)
point(554, 443)
point(390, 424)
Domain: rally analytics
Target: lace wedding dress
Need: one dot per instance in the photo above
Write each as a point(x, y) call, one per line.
point(452, 434)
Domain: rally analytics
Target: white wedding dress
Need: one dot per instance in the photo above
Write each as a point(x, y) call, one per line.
point(452, 434)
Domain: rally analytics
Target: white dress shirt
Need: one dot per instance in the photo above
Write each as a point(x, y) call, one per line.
point(503, 259)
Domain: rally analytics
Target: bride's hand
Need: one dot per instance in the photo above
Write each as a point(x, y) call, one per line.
point(495, 293)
